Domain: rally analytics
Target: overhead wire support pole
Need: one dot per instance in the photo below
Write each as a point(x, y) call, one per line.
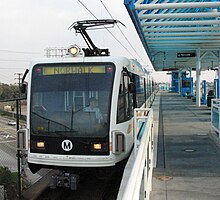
point(18, 152)
point(18, 113)
point(19, 87)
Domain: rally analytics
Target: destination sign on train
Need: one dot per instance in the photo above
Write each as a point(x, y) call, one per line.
point(73, 70)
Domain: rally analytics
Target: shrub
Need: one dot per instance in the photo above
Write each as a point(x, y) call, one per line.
point(5, 176)
point(8, 180)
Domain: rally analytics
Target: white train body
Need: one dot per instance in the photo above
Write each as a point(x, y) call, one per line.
point(62, 132)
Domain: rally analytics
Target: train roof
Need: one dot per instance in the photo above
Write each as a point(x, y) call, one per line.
point(131, 64)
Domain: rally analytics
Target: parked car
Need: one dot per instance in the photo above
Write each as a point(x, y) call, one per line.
point(12, 123)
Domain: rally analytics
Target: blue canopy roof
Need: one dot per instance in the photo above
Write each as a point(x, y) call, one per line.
point(173, 31)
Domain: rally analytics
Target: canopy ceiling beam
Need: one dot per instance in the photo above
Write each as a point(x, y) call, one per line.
point(180, 15)
point(177, 5)
point(181, 26)
point(181, 47)
point(198, 33)
point(200, 40)
point(176, 40)
point(181, 23)
point(182, 29)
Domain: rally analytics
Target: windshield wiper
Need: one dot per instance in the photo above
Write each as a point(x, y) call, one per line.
point(72, 114)
point(62, 133)
point(49, 121)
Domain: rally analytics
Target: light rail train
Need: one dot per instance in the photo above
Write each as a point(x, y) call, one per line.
point(80, 109)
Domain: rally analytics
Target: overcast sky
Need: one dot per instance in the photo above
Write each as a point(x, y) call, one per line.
point(28, 27)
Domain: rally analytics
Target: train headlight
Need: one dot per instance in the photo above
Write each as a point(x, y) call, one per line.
point(97, 146)
point(41, 145)
point(74, 50)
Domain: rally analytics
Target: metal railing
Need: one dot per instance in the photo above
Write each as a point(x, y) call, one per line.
point(215, 113)
point(56, 52)
point(137, 178)
point(150, 100)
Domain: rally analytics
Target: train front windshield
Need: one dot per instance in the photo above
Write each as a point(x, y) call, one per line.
point(69, 99)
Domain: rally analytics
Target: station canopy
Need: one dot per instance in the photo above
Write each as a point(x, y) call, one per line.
point(177, 33)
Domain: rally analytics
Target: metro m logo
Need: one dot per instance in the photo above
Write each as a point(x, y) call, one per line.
point(67, 145)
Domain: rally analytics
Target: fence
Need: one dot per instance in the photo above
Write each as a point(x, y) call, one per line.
point(137, 178)
point(215, 112)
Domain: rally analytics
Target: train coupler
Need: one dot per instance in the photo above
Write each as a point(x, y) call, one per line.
point(64, 180)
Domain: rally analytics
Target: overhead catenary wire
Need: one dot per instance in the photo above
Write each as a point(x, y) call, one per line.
point(7, 77)
point(122, 32)
point(9, 60)
point(11, 68)
point(87, 8)
point(2, 60)
point(18, 52)
point(2, 76)
point(107, 29)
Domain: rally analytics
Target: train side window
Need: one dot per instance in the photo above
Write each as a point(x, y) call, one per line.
point(124, 109)
point(121, 101)
point(140, 90)
point(148, 88)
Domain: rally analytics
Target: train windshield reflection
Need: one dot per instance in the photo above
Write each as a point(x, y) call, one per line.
point(71, 99)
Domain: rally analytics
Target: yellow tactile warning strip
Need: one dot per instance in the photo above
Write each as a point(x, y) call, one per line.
point(164, 178)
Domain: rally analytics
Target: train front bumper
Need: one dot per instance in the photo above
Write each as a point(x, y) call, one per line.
point(71, 160)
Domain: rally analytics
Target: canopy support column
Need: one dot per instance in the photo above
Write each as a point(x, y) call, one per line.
point(179, 81)
point(218, 84)
point(198, 73)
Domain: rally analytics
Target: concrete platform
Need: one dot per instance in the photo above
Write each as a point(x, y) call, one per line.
point(188, 159)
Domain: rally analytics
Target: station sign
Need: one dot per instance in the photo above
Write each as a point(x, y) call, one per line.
point(186, 55)
point(170, 69)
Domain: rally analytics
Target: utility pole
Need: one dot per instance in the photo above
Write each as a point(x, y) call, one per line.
point(18, 113)
point(19, 78)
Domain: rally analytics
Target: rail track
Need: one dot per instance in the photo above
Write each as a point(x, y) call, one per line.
point(93, 186)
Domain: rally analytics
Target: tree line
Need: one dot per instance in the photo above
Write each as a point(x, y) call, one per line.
point(9, 91)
